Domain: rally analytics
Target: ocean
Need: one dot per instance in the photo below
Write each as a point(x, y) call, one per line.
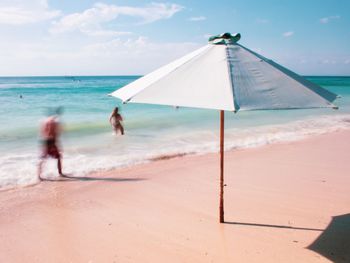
point(151, 131)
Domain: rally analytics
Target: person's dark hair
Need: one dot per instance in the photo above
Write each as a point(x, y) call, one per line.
point(115, 111)
point(54, 111)
point(59, 110)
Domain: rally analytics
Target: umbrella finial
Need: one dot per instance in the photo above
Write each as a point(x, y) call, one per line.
point(224, 38)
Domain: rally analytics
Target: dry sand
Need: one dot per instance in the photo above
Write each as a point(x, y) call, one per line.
point(283, 203)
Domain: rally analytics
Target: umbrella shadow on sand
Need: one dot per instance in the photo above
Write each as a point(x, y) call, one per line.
point(273, 226)
point(334, 242)
point(70, 178)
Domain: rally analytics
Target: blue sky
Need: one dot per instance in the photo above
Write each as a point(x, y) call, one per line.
point(127, 37)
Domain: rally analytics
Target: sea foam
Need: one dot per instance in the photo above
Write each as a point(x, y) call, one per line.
point(21, 169)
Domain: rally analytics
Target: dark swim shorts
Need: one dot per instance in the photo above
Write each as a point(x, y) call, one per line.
point(50, 149)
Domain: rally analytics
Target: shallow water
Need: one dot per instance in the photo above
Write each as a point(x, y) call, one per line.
point(151, 131)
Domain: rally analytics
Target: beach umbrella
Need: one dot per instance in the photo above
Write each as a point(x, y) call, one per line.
point(225, 76)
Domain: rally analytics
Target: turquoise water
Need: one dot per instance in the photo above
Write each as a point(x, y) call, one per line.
point(151, 131)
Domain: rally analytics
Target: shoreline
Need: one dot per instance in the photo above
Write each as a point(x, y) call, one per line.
point(280, 200)
point(103, 152)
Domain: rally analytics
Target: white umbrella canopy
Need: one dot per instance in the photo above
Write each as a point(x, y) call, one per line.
point(226, 76)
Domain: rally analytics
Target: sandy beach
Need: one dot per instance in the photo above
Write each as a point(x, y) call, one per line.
point(285, 202)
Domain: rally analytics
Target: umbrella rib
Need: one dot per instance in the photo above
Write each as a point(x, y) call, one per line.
point(230, 73)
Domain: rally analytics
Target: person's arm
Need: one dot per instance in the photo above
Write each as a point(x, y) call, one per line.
point(59, 128)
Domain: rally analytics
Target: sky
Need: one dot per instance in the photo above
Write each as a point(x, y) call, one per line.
point(129, 37)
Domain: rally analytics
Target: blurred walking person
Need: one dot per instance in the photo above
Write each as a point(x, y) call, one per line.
point(50, 132)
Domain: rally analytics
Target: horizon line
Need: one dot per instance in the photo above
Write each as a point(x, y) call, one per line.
point(126, 75)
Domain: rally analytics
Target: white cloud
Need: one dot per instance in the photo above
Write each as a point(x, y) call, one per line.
point(326, 20)
point(197, 18)
point(262, 21)
point(135, 55)
point(328, 61)
point(138, 50)
point(307, 63)
point(106, 33)
point(288, 34)
point(19, 12)
point(91, 20)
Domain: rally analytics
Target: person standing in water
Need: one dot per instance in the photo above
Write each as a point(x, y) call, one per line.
point(49, 132)
point(115, 120)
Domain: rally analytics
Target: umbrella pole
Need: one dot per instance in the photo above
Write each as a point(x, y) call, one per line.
point(222, 127)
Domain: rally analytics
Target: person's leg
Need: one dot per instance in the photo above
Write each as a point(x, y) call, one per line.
point(122, 129)
point(59, 166)
point(40, 168)
point(115, 129)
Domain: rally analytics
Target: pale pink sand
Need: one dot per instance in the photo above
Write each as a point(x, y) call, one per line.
point(167, 211)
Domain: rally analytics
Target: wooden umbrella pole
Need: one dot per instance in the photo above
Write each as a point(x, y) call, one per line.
point(222, 127)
